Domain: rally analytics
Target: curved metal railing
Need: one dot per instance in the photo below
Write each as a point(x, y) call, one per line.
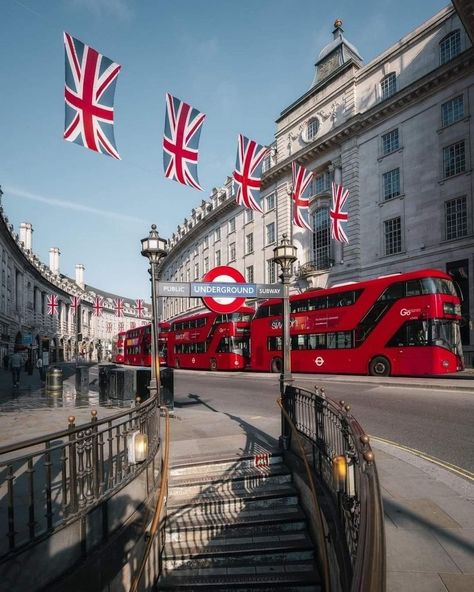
point(334, 436)
point(50, 481)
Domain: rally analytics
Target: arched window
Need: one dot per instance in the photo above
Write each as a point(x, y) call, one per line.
point(450, 47)
point(321, 238)
point(312, 129)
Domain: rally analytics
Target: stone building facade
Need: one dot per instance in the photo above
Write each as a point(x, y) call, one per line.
point(25, 324)
point(397, 132)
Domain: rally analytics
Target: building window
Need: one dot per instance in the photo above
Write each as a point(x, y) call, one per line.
point(320, 183)
point(217, 234)
point(388, 86)
point(270, 233)
point(393, 236)
point(391, 184)
point(232, 252)
point(390, 142)
point(312, 129)
point(205, 242)
point(196, 271)
point(452, 111)
point(206, 264)
point(450, 47)
point(249, 274)
point(232, 225)
point(249, 244)
point(217, 258)
point(271, 271)
point(248, 215)
point(454, 159)
point(456, 218)
point(266, 163)
point(321, 238)
point(270, 202)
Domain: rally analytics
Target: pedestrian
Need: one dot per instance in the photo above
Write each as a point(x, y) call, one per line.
point(39, 365)
point(16, 362)
point(6, 361)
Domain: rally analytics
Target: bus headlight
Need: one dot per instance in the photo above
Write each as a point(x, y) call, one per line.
point(448, 308)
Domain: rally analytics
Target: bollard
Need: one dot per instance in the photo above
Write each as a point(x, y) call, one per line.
point(82, 380)
point(54, 380)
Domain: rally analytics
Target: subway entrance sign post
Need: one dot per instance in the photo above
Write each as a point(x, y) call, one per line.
point(222, 290)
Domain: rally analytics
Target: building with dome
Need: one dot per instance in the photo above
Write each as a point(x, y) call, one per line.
point(397, 132)
point(26, 326)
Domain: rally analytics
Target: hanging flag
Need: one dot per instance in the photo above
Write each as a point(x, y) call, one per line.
point(248, 170)
point(301, 179)
point(121, 326)
point(97, 307)
point(338, 217)
point(139, 308)
point(118, 305)
point(109, 327)
point(53, 304)
point(180, 141)
point(89, 95)
point(132, 325)
point(75, 301)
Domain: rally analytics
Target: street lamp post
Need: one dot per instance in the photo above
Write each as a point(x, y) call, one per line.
point(154, 248)
point(285, 255)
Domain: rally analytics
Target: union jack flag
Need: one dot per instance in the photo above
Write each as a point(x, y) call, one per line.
point(118, 305)
point(109, 327)
point(133, 325)
point(98, 306)
point(89, 95)
point(139, 308)
point(301, 180)
point(75, 301)
point(338, 217)
point(248, 170)
point(121, 326)
point(53, 304)
point(180, 141)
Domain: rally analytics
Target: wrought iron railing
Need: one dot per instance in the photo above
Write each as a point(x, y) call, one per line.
point(50, 481)
point(332, 435)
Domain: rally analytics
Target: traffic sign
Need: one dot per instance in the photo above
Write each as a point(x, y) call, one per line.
point(223, 274)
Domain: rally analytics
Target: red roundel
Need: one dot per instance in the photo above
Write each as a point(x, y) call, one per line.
point(224, 274)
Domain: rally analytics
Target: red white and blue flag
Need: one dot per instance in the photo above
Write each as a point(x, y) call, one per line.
point(139, 308)
point(248, 172)
point(98, 306)
point(301, 180)
point(89, 96)
point(75, 301)
point(337, 216)
point(53, 304)
point(121, 326)
point(181, 140)
point(118, 306)
point(109, 327)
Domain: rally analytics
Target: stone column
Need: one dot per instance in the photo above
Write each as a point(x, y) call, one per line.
point(337, 247)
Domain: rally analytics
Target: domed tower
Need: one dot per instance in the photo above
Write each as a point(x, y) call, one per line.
point(335, 55)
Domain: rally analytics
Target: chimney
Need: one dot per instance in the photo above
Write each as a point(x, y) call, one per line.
point(54, 260)
point(26, 231)
point(80, 275)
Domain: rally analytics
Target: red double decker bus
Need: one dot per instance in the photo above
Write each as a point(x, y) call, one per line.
point(133, 347)
point(402, 324)
point(210, 340)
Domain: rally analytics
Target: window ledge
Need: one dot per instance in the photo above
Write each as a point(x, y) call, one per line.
point(443, 181)
point(400, 150)
point(458, 238)
point(394, 254)
point(465, 119)
point(390, 199)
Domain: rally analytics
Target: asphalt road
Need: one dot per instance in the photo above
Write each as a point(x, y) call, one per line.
point(437, 422)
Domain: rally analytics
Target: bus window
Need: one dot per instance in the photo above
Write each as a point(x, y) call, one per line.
point(274, 343)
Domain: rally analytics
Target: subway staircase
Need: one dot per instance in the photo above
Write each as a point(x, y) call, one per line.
point(233, 526)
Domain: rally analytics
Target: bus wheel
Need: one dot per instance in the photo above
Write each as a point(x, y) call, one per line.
point(213, 365)
point(379, 366)
point(276, 365)
point(176, 364)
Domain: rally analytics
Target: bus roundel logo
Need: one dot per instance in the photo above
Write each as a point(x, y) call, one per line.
point(319, 361)
point(224, 274)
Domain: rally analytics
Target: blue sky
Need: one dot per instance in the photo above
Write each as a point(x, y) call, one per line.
point(240, 62)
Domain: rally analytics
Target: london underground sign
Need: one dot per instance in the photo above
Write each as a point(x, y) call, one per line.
point(216, 284)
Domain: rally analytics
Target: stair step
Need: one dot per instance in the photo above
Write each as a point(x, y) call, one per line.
point(212, 532)
point(227, 490)
point(246, 516)
point(236, 482)
point(222, 466)
point(307, 581)
point(235, 474)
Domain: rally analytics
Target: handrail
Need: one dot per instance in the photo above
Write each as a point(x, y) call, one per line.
point(158, 508)
point(323, 537)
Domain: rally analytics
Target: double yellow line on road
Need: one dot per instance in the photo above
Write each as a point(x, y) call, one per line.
point(442, 463)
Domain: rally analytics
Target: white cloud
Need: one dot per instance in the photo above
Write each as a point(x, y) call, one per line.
point(72, 205)
point(117, 8)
